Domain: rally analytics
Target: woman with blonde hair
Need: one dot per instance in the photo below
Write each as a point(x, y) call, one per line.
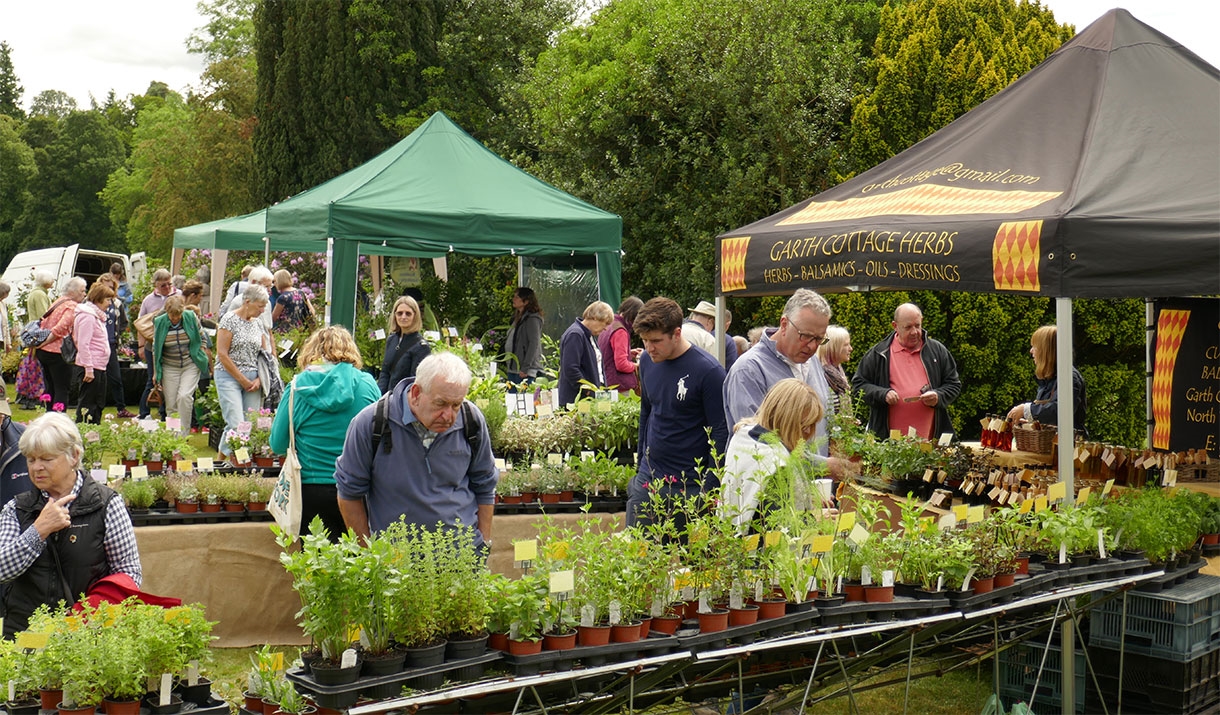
point(833, 354)
point(761, 445)
point(1045, 406)
point(292, 309)
point(405, 348)
point(329, 392)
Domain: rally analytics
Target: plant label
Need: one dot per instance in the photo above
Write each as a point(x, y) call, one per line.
point(858, 535)
point(1056, 491)
point(704, 606)
point(927, 474)
point(12, 690)
point(994, 493)
point(514, 631)
point(139, 473)
point(773, 538)
point(961, 511)
point(912, 433)
point(348, 660)
point(500, 464)
point(32, 641)
point(117, 471)
point(586, 455)
point(866, 576)
point(616, 612)
point(822, 543)
point(1082, 496)
point(658, 608)
point(1171, 477)
point(966, 581)
point(562, 581)
point(758, 590)
point(173, 423)
point(242, 454)
point(947, 521)
point(1039, 503)
point(184, 465)
point(940, 582)
point(846, 521)
point(1063, 553)
point(587, 614)
point(945, 439)
point(1105, 490)
point(192, 673)
point(688, 593)
point(1101, 543)
point(525, 550)
point(205, 464)
point(974, 514)
point(1026, 505)
point(166, 691)
point(887, 578)
point(751, 542)
point(735, 599)
point(895, 434)
point(149, 425)
point(555, 460)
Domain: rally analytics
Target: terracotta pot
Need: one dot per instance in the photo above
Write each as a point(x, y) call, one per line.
point(511, 499)
point(854, 591)
point(497, 641)
point(209, 508)
point(264, 461)
point(772, 607)
point(1023, 565)
point(186, 507)
point(1211, 539)
point(549, 497)
point(592, 635)
point(270, 707)
point(257, 506)
point(121, 707)
point(715, 621)
point(90, 710)
point(1004, 580)
point(253, 703)
point(645, 625)
point(983, 585)
point(666, 624)
point(129, 463)
point(154, 466)
point(567, 495)
point(50, 698)
point(527, 497)
point(516, 647)
point(552, 641)
point(879, 594)
point(743, 616)
point(628, 632)
point(235, 507)
point(692, 609)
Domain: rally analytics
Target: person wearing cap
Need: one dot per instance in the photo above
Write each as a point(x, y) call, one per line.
point(696, 332)
point(704, 315)
point(579, 359)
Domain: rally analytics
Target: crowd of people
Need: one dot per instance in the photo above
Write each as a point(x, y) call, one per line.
point(414, 447)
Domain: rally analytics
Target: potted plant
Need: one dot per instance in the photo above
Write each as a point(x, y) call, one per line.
point(139, 496)
point(210, 488)
point(258, 491)
point(15, 668)
point(464, 599)
point(291, 702)
point(260, 436)
point(525, 605)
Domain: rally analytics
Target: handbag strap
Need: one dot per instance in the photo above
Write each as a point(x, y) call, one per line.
point(292, 431)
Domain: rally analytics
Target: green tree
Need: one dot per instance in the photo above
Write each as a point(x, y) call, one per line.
point(52, 103)
point(17, 171)
point(63, 205)
point(10, 88)
point(690, 118)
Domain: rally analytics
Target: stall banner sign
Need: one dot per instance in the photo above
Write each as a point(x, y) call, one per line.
point(1186, 375)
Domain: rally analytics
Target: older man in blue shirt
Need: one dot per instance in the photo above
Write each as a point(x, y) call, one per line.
point(782, 353)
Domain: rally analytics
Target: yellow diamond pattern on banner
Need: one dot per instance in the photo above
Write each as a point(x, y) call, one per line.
point(733, 263)
point(1170, 328)
point(926, 200)
point(1015, 255)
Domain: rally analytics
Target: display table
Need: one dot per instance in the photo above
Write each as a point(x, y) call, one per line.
point(1010, 459)
point(234, 570)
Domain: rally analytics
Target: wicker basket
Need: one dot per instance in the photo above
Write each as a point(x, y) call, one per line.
point(1038, 441)
point(1209, 472)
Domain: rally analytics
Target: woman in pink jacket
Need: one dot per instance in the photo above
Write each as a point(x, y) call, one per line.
point(92, 351)
point(58, 319)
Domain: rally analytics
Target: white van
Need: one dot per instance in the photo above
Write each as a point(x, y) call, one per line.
point(66, 262)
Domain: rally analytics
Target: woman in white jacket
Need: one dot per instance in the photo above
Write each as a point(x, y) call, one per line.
point(762, 445)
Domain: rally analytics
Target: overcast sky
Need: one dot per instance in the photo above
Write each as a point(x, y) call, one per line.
point(88, 47)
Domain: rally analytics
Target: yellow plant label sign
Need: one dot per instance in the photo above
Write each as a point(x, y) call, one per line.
point(184, 465)
point(858, 534)
point(1026, 505)
point(277, 661)
point(241, 454)
point(822, 543)
point(32, 641)
point(1106, 489)
point(554, 459)
point(974, 514)
point(525, 550)
point(1083, 495)
point(562, 581)
point(1040, 503)
point(961, 511)
point(139, 473)
point(773, 538)
point(117, 471)
point(846, 521)
point(1056, 491)
point(752, 542)
point(895, 434)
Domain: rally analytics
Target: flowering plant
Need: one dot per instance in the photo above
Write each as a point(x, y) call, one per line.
point(259, 437)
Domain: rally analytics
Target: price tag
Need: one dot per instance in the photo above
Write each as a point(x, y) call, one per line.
point(822, 543)
point(500, 465)
point(555, 460)
point(961, 511)
point(1105, 490)
point(1056, 491)
point(994, 493)
point(562, 581)
point(1083, 495)
point(183, 465)
point(974, 514)
point(947, 521)
point(1003, 498)
point(117, 471)
point(1107, 457)
point(1171, 477)
point(985, 423)
point(895, 434)
point(525, 550)
point(858, 535)
point(773, 539)
point(911, 432)
point(242, 454)
point(453, 333)
point(1040, 503)
point(432, 336)
point(205, 464)
point(1026, 505)
point(945, 439)
point(32, 641)
point(846, 521)
point(139, 473)
point(751, 542)
point(927, 474)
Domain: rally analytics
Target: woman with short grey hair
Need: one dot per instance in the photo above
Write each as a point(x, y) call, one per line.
point(239, 338)
point(39, 566)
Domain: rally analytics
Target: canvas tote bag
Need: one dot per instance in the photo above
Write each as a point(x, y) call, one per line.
point(285, 503)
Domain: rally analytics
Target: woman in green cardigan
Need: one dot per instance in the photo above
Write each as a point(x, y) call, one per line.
point(181, 355)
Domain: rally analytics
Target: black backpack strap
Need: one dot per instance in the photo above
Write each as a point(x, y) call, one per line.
point(470, 426)
point(381, 422)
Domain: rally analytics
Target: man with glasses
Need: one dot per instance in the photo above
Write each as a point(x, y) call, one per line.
point(781, 353)
point(908, 380)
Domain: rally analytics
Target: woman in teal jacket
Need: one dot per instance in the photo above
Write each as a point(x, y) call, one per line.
point(324, 398)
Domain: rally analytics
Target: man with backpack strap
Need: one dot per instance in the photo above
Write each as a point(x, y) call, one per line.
point(421, 452)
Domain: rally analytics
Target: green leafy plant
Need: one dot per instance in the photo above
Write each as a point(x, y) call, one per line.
point(324, 577)
point(137, 495)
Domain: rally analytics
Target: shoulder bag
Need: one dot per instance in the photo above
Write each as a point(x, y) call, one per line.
point(285, 504)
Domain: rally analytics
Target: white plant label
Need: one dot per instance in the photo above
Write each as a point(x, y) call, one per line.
point(966, 581)
point(1063, 553)
point(688, 593)
point(167, 689)
point(12, 691)
point(735, 600)
point(192, 673)
point(586, 616)
point(866, 576)
point(839, 584)
point(704, 606)
point(658, 608)
point(515, 630)
point(887, 578)
point(758, 590)
point(940, 582)
point(616, 612)
point(348, 659)
point(811, 584)
point(1101, 543)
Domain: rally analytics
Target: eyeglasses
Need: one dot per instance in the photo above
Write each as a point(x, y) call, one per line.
point(402, 312)
point(807, 338)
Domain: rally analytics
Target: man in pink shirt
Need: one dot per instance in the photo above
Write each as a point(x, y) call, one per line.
point(908, 379)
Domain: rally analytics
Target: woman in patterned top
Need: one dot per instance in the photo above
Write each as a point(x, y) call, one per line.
point(179, 358)
point(239, 338)
point(292, 308)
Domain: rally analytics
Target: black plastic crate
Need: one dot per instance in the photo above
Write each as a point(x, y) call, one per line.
point(1179, 623)
point(1019, 670)
point(1157, 684)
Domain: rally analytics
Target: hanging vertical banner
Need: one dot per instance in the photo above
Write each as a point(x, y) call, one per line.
point(1186, 375)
